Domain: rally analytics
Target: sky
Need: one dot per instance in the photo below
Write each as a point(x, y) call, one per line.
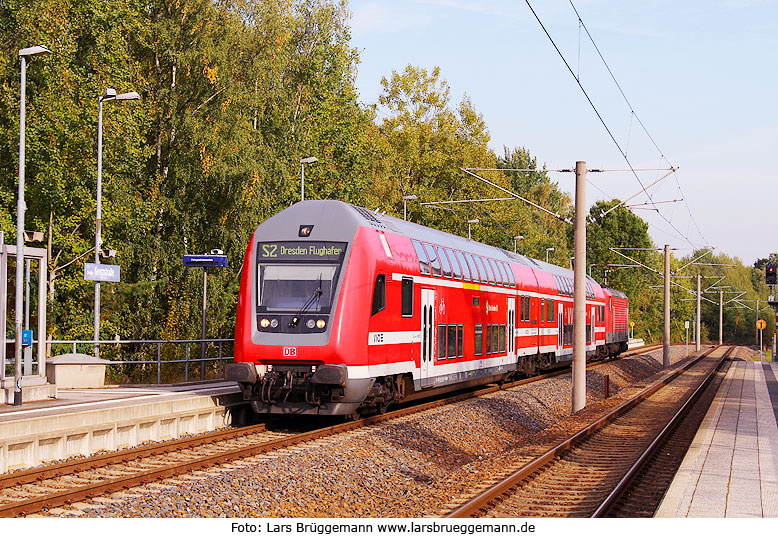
point(699, 76)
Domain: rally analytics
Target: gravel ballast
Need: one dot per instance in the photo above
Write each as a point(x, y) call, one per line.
point(409, 467)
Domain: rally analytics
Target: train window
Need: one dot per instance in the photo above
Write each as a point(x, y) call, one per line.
point(407, 297)
point(501, 273)
point(379, 294)
point(509, 273)
point(488, 339)
point(495, 339)
point(424, 263)
point(528, 305)
point(495, 271)
point(454, 264)
point(460, 340)
point(521, 312)
point(473, 268)
point(434, 262)
point(502, 338)
point(452, 340)
point(481, 270)
point(552, 312)
point(444, 262)
point(441, 341)
point(489, 272)
point(479, 339)
point(463, 264)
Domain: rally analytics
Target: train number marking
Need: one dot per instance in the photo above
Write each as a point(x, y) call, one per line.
point(269, 250)
point(290, 351)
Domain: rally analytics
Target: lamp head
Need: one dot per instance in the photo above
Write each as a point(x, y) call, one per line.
point(37, 50)
point(110, 93)
point(306, 161)
point(128, 95)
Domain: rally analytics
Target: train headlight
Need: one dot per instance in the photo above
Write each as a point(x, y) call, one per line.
point(274, 323)
point(264, 323)
point(310, 323)
point(320, 323)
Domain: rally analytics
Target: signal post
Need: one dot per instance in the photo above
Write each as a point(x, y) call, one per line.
point(771, 279)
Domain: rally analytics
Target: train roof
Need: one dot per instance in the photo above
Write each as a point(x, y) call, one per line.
point(614, 292)
point(345, 217)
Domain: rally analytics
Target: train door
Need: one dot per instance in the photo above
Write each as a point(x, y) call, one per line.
point(561, 326)
point(511, 329)
point(427, 334)
point(592, 324)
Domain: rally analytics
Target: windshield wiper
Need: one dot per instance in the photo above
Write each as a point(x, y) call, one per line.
point(315, 295)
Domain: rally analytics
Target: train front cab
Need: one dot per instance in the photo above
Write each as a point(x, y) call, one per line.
point(300, 344)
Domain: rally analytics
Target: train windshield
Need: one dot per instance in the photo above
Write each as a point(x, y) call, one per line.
point(287, 287)
point(296, 275)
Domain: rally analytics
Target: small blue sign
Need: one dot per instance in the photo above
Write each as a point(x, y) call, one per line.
point(206, 260)
point(26, 338)
point(102, 272)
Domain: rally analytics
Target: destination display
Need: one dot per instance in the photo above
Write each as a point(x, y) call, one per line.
point(301, 251)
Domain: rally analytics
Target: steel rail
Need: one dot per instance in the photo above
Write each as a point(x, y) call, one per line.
point(122, 456)
point(79, 493)
point(113, 458)
point(617, 492)
point(485, 498)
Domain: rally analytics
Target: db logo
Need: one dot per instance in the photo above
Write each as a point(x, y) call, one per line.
point(290, 351)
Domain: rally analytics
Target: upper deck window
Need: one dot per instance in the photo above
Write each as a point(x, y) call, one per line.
point(509, 273)
point(497, 272)
point(463, 264)
point(424, 263)
point(434, 261)
point(444, 262)
point(489, 271)
point(473, 268)
point(454, 264)
point(481, 270)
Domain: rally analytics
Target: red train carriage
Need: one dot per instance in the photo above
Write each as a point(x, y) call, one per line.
point(343, 310)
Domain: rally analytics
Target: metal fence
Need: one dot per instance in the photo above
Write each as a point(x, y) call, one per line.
point(157, 355)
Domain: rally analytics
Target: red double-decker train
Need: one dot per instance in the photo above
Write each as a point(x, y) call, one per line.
point(344, 311)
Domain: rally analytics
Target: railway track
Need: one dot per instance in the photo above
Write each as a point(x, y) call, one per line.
point(597, 471)
point(33, 490)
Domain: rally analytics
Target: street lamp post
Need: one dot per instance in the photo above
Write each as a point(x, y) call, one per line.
point(303, 163)
point(470, 222)
point(547, 250)
point(109, 95)
point(405, 200)
point(515, 238)
point(21, 206)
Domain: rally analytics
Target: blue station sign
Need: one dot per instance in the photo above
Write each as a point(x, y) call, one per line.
point(102, 272)
point(206, 260)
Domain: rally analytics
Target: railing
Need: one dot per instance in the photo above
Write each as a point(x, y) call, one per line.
point(157, 354)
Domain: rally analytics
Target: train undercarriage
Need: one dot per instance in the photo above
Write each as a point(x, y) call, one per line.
point(327, 390)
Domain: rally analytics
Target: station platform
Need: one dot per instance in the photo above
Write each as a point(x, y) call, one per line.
point(731, 468)
point(83, 422)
